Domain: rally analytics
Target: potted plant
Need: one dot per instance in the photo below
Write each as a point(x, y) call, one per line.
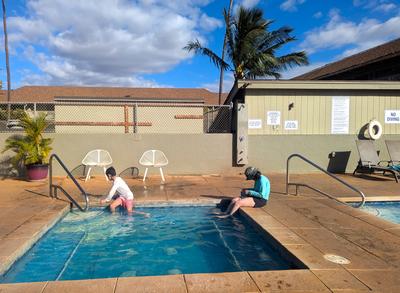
point(31, 149)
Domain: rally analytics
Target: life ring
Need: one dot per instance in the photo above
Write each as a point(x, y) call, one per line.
point(374, 129)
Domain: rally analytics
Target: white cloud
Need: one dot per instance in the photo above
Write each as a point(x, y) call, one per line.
point(291, 5)
point(318, 14)
point(245, 3)
point(209, 23)
point(109, 41)
point(226, 87)
point(338, 33)
point(299, 70)
point(385, 7)
point(58, 70)
point(376, 5)
point(249, 3)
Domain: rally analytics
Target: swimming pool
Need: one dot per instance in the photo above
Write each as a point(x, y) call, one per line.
point(174, 240)
point(389, 210)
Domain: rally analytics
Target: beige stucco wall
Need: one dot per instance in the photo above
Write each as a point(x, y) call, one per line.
point(209, 153)
point(313, 109)
point(187, 153)
point(270, 152)
point(161, 119)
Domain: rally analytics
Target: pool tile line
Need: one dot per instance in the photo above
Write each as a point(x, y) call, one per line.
point(346, 284)
point(186, 286)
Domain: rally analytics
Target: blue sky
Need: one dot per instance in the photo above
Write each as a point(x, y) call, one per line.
point(139, 43)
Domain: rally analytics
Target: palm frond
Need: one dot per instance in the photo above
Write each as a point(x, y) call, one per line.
point(293, 59)
point(31, 148)
point(199, 49)
point(251, 47)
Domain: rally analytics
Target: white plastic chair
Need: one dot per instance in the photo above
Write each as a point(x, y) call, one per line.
point(99, 158)
point(153, 158)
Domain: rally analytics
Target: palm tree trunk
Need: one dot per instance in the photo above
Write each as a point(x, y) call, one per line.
point(221, 75)
point(7, 60)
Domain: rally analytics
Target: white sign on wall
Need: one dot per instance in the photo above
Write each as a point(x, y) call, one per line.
point(340, 115)
point(273, 118)
point(291, 124)
point(255, 123)
point(392, 116)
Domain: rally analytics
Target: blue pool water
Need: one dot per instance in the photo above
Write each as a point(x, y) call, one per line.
point(173, 240)
point(389, 210)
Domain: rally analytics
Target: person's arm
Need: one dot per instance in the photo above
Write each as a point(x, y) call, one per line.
point(254, 193)
point(110, 194)
point(260, 189)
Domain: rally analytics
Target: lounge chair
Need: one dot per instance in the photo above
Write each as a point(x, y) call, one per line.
point(369, 160)
point(393, 147)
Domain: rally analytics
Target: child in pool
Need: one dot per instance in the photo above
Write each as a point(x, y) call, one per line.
point(121, 192)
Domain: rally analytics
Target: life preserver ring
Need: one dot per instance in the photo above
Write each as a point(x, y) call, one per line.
point(374, 129)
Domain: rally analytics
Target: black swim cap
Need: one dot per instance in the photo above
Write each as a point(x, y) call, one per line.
point(111, 171)
point(250, 173)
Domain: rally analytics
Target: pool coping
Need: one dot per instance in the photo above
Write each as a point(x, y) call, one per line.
point(368, 199)
point(21, 249)
point(288, 244)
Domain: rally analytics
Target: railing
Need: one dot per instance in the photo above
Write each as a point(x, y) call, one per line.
point(315, 189)
point(58, 187)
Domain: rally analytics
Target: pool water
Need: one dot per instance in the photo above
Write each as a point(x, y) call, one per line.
point(173, 240)
point(389, 210)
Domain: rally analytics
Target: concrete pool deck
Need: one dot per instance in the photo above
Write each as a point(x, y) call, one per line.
point(308, 226)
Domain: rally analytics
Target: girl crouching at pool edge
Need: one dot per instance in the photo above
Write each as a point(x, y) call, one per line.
point(121, 192)
point(250, 197)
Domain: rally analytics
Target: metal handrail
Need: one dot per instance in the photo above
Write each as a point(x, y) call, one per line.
point(51, 185)
point(315, 189)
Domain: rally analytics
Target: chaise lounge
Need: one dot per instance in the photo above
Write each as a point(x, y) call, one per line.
point(369, 161)
point(393, 147)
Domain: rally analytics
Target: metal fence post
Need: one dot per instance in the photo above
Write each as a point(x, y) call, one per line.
point(135, 118)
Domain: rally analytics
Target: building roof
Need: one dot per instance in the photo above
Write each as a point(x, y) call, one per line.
point(49, 94)
point(376, 54)
point(367, 85)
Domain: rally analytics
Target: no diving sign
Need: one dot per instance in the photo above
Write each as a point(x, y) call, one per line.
point(392, 116)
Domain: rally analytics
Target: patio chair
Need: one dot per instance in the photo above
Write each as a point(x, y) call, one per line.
point(97, 158)
point(393, 147)
point(153, 158)
point(369, 160)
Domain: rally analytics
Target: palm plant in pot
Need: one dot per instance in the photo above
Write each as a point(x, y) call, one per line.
point(31, 149)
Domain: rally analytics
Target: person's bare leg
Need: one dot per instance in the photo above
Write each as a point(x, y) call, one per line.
point(115, 204)
point(229, 208)
point(244, 202)
point(146, 215)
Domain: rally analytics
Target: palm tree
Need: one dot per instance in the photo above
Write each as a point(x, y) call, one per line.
point(252, 48)
point(31, 148)
point(221, 75)
point(7, 59)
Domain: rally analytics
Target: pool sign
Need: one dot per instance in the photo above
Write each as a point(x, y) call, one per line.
point(255, 123)
point(340, 115)
point(273, 118)
point(291, 124)
point(392, 116)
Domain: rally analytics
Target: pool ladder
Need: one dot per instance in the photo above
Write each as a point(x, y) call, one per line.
point(53, 188)
point(360, 204)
